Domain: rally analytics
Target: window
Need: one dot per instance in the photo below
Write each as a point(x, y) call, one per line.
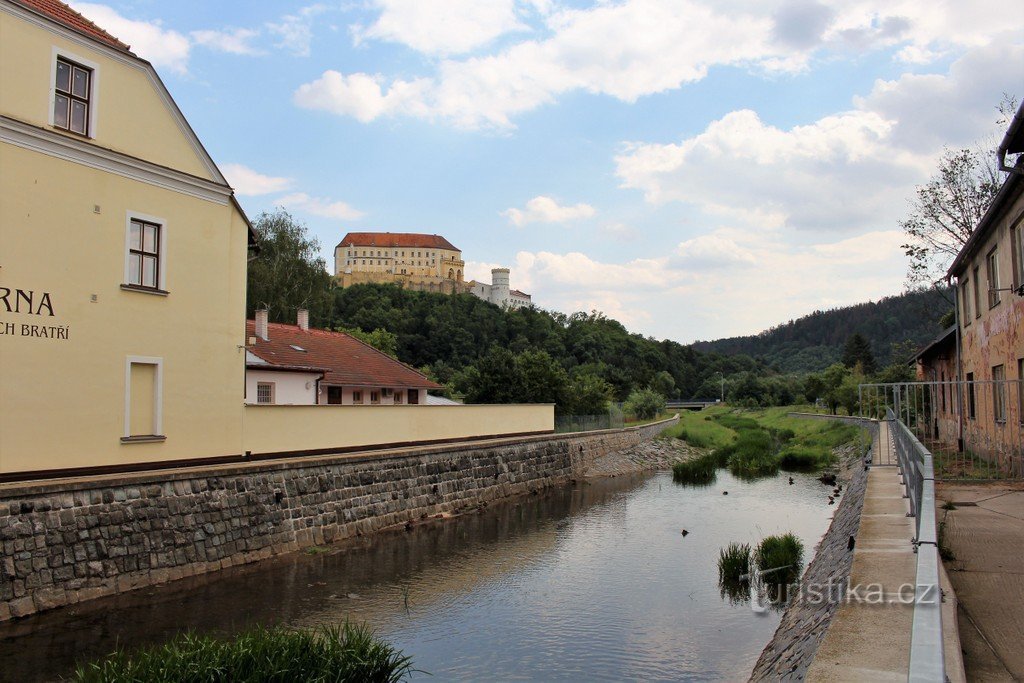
point(999, 393)
point(265, 393)
point(1020, 390)
point(977, 293)
point(399, 398)
point(334, 396)
point(386, 393)
point(970, 396)
point(992, 271)
point(357, 397)
point(72, 96)
point(965, 307)
point(1018, 254)
point(374, 397)
point(414, 397)
point(144, 263)
point(143, 404)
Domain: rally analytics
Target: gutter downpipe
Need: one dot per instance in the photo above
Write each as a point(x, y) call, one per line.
point(959, 369)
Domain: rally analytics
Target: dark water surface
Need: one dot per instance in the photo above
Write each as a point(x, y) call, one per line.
point(593, 581)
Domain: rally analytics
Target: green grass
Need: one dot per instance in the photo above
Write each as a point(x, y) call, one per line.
point(332, 653)
point(733, 562)
point(695, 472)
point(781, 551)
point(799, 458)
point(697, 430)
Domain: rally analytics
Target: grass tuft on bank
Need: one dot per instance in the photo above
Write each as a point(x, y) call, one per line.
point(343, 654)
point(781, 555)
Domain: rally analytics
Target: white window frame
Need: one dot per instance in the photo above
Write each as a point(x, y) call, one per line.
point(94, 87)
point(161, 285)
point(273, 393)
point(158, 392)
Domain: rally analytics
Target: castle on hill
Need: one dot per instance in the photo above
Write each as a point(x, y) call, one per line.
point(427, 263)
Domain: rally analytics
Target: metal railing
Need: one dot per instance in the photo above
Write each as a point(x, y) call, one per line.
point(927, 659)
point(974, 429)
point(565, 424)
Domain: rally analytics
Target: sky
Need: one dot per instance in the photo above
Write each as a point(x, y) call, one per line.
point(695, 170)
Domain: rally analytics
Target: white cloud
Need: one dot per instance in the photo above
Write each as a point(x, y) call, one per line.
point(359, 95)
point(295, 31)
point(441, 27)
point(711, 252)
point(236, 41)
point(249, 182)
point(327, 208)
point(165, 48)
point(546, 210)
point(636, 48)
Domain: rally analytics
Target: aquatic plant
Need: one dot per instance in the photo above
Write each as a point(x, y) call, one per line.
point(733, 562)
point(696, 471)
point(782, 556)
point(754, 455)
point(801, 458)
point(346, 653)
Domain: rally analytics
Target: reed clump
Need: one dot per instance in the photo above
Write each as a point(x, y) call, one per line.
point(782, 557)
point(696, 471)
point(733, 562)
point(345, 653)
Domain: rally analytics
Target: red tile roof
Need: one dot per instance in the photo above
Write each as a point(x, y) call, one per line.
point(62, 14)
point(516, 292)
point(348, 361)
point(396, 239)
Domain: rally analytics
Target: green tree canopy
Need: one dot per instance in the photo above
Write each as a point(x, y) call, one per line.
point(288, 273)
point(858, 350)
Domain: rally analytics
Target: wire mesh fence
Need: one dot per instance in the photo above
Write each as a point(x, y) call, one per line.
point(613, 419)
point(974, 429)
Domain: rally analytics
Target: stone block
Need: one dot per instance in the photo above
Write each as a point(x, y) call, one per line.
point(22, 607)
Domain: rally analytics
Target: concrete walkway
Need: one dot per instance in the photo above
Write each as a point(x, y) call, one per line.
point(986, 534)
point(869, 637)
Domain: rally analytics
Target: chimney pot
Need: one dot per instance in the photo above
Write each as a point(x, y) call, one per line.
point(303, 319)
point(261, 324)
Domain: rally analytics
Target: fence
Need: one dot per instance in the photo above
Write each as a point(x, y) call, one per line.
point(927, 662)
point(974, 429)
point(588, 423)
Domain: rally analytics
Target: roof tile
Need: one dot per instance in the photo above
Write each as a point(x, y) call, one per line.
point(348, 361)
point(62, 14)
point(396, 239)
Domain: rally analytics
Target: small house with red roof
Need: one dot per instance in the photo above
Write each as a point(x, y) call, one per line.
point(299, 365)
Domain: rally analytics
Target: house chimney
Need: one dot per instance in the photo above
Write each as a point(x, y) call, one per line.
point(261, 324)
point(303, 319)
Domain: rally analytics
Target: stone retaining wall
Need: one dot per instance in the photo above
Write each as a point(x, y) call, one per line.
point(72, 540)
point(805, 622)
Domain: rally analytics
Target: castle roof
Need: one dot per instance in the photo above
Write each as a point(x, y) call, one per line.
point(344, 359)
point(414, 240)
point(64, 15)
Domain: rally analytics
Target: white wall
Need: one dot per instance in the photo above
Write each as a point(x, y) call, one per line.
point(346, 395)
point(290, 388)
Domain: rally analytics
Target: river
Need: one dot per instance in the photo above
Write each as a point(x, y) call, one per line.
point(593, 581)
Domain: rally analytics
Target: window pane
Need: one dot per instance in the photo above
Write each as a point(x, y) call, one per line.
point(135, 236)
point(150, 243)
point(149, 271)
point(80, 84)
point(134, 269)
point(60, 111)
point(63, 76)
point(78, 117)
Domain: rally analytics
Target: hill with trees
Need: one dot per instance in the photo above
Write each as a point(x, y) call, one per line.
point(894, 327)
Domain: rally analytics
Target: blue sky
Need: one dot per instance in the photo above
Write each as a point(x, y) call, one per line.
point(693, 169)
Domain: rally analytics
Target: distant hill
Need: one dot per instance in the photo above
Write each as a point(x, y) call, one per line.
point(813, 342)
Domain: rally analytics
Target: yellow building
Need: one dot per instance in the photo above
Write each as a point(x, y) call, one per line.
point(122, 259)
point(415, 261)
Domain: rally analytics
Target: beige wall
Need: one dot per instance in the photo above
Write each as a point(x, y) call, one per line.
point(275, 429)
point(131, 116)
point(64, 205)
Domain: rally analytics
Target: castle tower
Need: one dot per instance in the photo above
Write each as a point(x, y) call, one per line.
point(499, 286)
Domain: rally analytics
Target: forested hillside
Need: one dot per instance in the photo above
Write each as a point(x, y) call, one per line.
point(894, 326)
point(452, 333)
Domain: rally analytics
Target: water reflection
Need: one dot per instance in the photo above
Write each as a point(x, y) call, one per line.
point(588, 582)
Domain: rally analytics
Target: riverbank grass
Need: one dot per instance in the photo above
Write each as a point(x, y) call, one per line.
point(346, 653)
point(783, 556)
point(698, 471)
point(733, 562)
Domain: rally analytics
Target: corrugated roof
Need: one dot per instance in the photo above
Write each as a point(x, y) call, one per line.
point(63, 14)
point(414, 240)
point(346, 360)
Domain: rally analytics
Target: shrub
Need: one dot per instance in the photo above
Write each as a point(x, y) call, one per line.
point(697, 471)
point(332, 653)
point(753, 455)
point(802, 458)
point(781, 551)
point(733, 562)
point(645, 404)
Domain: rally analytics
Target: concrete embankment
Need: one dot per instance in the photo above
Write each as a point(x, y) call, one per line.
point(72, 540)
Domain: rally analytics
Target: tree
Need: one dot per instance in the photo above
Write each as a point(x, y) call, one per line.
point(664, 383)
point(288, 273)
point(858, 350)
point(380, 339)
point(644, 404)
point(588, 395)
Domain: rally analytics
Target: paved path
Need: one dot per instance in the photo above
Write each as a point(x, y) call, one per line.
point(869, 639)
point(986, 534)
